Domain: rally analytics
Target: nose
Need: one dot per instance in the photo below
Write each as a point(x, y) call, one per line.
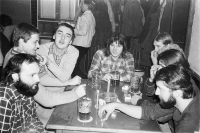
point(63, 37)
point(157, 92)
point(37, 45)
point(36, 78)
point(115, 47)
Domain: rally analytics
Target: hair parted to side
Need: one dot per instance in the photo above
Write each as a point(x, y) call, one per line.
point(5, 20)
point(23, 31)
point(14, 66)
point(116, 37)
point(173, 56)
point(164, 37)
point(176, 77)
point(65, 25)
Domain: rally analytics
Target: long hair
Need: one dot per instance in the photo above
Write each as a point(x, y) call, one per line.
point(173, 56)
point(14, 66)
point(116, 37)
point(23, 31)
point(176, 77)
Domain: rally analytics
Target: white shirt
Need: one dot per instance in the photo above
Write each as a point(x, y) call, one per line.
point(85, 29)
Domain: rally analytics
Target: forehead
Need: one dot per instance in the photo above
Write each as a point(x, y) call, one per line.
point(29, 68)
point(65, 30)
point(161, 85)
point(34, 37)
point(116, 43)
point(158, 43)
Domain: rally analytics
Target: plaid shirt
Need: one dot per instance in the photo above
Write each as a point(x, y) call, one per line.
point(18, 112)
point(125, 66)
point(57, 58)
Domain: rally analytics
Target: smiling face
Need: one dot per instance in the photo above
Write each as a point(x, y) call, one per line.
point(167, 99)
point(31, 45)
point(63, 37)
point(116, 50)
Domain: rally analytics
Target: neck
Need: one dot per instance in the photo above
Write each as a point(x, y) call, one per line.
point(58, 51)
point(182, 104)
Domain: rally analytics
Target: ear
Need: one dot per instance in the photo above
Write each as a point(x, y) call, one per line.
point(178, 93)
point(15, 77)
point(54, 36)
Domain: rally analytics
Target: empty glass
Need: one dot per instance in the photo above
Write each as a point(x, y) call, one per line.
point(135, 84)
point(96, 80)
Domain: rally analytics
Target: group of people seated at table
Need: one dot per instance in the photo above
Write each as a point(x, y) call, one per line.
point(34, 77)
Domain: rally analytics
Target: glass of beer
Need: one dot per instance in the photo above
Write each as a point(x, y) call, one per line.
point(115, 79)
point(84, 108)
point(135, 84)
point(96, 80)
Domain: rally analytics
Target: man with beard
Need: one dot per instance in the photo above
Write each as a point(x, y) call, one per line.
point(174, 89)
point(18, 87)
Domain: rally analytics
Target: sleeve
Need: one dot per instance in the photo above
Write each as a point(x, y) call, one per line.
point(150, 87)
point(82, 26)
point(51, 98)
point(129, 69)
point(152, 111)
point(5, 115)
point(96, 63)
point(62, 73)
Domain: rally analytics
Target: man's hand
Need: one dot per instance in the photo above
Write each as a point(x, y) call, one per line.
point(74, 81)
point(108, 109)
point(154, 56)
point(80, 90)
point(153, 71)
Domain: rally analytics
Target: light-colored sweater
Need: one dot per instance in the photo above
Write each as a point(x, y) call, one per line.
point(58, 74)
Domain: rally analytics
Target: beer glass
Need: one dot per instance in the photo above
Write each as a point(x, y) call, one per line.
point(115, 78)
point(135, 84)
point(108, 97)
point(84, 108)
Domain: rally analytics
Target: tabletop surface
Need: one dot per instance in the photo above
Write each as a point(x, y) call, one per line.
point(65, 116)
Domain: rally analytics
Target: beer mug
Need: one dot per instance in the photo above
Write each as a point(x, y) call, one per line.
point(84, 108)
point(136, 84)
point(115, 79)
point(108, 97)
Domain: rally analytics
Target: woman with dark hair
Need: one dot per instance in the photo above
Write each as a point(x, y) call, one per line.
point(113, 58)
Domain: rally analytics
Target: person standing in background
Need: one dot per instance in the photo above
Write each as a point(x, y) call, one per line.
point(84, 32)
point(6, 31)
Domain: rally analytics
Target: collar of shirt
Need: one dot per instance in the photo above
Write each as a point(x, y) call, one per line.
point(15, 51)
point(57, 58)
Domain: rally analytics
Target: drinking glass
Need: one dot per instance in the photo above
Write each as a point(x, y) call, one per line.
point(135, 84)
point(84, 108)
point(115, 79)
point(96, 80)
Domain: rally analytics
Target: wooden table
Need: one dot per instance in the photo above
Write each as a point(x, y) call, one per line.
point(64, 117)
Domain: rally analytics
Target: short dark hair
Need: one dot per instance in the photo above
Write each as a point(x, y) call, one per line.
point(90, 4)
point(116, 37)
point(164, 37)
point(14, 66)
point(66, 25)
point(23, 31)
point(173, 56)
point(176, 77)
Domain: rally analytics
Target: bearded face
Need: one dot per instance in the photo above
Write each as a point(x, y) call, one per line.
point(169, 104)
point(26, 89)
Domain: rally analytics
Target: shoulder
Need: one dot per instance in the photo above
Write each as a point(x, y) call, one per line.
point(128, 55)
point(46, 45)
point(6, 93)
point(72, 49)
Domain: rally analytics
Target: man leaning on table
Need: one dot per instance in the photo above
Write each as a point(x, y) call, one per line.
point(20, 89)
point(26, 40)
point(174, 89)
